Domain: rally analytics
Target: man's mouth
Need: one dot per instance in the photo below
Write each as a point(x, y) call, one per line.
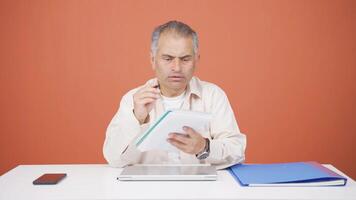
point(176, 78)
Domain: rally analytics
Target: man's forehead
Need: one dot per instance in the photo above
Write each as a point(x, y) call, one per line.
point(172, 44)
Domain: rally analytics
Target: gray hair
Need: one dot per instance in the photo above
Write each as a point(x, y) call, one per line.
point(178, 27)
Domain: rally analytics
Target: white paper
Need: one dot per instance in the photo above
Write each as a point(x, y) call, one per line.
point(172, 122)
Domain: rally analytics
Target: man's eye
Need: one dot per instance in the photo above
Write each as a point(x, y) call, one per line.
point(167, 59)
point(186, 59)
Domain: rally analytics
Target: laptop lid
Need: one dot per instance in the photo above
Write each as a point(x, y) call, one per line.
point(168, 173)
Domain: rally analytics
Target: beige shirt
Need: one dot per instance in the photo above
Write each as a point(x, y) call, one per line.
point(227, 144)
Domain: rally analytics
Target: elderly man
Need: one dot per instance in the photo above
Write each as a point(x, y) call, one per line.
point(174, 55)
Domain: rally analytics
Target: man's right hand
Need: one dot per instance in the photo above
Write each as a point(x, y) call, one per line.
point(144, 100)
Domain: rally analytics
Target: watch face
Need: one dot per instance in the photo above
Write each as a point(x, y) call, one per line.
point(203, 155)
point(206, 151)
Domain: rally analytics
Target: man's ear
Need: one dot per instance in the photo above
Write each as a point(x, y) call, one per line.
point(197, 57)
point(152, 60)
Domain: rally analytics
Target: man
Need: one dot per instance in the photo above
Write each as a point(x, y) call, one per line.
point(174, 55)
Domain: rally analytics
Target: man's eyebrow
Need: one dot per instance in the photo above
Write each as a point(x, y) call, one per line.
point(186, 56)
point(166, 55)
point(181, 57)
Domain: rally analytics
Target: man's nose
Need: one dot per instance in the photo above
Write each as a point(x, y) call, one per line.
point(176, 65)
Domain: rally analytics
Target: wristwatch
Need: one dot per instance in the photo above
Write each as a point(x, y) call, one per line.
point(205, 153)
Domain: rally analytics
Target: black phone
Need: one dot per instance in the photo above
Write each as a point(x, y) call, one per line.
point(49, 179)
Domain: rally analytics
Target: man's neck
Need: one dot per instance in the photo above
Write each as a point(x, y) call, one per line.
point(171, 93)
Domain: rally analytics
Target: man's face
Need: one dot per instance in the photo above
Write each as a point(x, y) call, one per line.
point(174, 62)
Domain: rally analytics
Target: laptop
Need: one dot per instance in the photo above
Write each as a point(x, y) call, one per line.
point(168, 173)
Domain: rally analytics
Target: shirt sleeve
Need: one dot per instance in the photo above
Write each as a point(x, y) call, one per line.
point(227, 144)
point(119, 149)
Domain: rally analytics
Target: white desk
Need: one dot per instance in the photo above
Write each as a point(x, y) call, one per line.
point(99, 182)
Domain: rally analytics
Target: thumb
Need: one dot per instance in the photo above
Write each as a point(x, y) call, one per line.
point(153, 83)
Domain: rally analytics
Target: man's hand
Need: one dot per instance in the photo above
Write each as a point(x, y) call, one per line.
point(144, 100)
point(191, 142)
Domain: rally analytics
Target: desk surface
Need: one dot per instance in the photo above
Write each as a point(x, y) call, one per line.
point(94, 181)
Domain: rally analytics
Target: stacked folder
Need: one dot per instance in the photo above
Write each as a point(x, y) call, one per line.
point(286, 174)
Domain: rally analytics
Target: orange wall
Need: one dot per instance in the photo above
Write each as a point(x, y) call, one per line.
point(288, 67)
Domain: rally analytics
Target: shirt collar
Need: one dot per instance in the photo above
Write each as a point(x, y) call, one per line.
point(194, 86)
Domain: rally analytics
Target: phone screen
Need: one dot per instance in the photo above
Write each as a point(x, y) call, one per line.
point(49, 179)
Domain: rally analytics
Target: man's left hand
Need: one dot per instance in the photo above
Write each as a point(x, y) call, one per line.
point(191, 142)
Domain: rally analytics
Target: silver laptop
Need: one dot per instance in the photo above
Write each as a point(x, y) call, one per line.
point(168, 173)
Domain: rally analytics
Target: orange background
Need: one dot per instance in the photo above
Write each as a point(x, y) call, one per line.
point(288, 67)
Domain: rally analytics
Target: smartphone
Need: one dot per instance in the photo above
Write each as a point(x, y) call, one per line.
point(49, 179)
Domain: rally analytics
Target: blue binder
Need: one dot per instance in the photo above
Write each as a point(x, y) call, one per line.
point(286, 174)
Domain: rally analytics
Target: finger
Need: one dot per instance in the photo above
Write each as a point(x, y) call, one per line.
point(154, 82)
point(177, 144)
point(149, 87)
point(191, 132)
point(148, 94)
point(146, 100)
point(152, 88)
point(180, 137)
point(154, 85)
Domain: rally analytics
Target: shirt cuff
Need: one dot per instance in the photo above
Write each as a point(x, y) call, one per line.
point(215, 150)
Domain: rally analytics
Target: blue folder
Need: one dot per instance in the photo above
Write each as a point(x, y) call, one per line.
point(286, 174)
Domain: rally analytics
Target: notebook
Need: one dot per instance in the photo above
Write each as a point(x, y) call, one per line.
point(171, 121)
point(286, 174)
point(168, 173)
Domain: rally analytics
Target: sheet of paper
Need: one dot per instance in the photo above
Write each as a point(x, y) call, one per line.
point(172, 121)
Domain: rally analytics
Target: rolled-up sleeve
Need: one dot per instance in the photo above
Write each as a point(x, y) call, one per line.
point(227, 144)
point(118, 148)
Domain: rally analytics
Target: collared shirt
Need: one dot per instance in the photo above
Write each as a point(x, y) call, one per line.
point(227, 143)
